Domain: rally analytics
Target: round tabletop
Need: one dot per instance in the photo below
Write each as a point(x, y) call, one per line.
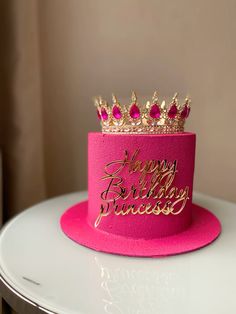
point(43, 271)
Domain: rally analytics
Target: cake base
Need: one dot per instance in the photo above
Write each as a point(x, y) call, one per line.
point(205, 228)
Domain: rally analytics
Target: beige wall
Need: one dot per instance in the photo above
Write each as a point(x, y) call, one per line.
point(99, 47)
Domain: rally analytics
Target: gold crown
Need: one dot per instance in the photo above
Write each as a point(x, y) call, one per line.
point(151, 118)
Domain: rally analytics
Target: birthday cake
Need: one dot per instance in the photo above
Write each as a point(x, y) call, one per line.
point(140, 183)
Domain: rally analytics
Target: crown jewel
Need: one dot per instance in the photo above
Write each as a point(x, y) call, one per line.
point(151, 118)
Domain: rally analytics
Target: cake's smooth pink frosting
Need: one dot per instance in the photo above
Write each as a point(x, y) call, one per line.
point(105, 148)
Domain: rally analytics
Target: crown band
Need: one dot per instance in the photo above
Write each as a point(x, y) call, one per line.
point(160, 129)
point(151, 118)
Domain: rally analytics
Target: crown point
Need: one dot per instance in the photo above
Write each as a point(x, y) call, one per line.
point(133, 97)
point(175, 97)
point(114, 99)
point(163, 104)
point(148, 104)
point(96, 102)
point(100, 100)
point(155, 97)
point(187, 101)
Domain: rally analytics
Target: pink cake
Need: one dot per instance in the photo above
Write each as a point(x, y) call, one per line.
point(140, 183)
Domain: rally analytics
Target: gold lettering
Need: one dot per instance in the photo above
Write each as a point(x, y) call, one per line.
point(155, 181)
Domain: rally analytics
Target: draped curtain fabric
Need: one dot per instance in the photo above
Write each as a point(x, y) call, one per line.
point(20, 108)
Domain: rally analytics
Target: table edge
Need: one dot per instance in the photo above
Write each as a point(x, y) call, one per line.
point(18, 301)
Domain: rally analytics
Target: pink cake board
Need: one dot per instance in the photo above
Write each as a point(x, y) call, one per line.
point(204, 229)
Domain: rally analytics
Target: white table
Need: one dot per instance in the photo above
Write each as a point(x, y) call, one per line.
point(42, 271)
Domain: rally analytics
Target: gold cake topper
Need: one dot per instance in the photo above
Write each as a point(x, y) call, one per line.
point(155, 182)
point(154, 117)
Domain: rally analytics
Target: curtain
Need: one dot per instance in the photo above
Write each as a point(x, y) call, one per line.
point(20, 108)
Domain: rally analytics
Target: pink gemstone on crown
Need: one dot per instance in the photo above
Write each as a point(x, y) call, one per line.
point(172, 111)
point(98, 114)
point(104, 114)
point(134, 111)
point(116, 112)
point(155, 112)
point(185, 112)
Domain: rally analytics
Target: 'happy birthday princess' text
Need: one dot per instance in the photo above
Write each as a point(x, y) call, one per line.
point(154, 181)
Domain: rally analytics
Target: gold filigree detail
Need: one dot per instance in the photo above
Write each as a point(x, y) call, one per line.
point(140, 121)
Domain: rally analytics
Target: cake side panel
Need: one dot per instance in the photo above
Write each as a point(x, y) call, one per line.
point(140, 185)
